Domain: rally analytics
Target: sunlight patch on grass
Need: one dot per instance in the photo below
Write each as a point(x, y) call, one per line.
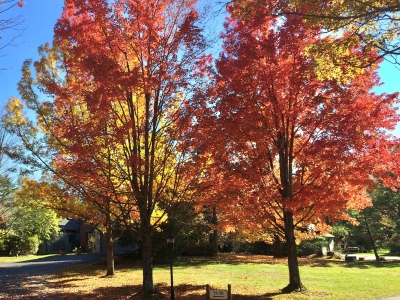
point(261, 277)
point(8, 259)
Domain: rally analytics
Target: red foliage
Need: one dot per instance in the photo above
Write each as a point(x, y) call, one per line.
point(291, 142)
point(119, 110)
point(293, 150)
point(20, 3)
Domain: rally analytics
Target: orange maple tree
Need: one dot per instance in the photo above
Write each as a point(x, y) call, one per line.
point(81, 188)
point(117, 77)
point(298, 151)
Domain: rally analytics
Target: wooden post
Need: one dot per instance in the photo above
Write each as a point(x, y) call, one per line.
point(229, 292)
point(207, 292)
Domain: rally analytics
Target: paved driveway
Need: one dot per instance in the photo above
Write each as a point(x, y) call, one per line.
point(24, 280)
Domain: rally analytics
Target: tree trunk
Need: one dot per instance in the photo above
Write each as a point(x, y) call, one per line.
point(277, 247)
point(147, 260)
point(293, 264)
point(398, 210)
point(110, 252)
point(370, 237)
point(215, 231)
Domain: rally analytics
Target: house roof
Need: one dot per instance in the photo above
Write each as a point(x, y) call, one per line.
point(69, 225)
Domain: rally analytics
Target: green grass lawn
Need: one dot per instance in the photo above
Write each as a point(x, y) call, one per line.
point(4, 259)
point(251, 277)
point(380, 253)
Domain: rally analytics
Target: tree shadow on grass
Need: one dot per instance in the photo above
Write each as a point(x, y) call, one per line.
point(353, 264)
point(71, 257)
point(64, 290)
point(372, 264)
point(227, 258)
point(33, 287)
point(67, 282)
point(198, 292)
point(132, 292)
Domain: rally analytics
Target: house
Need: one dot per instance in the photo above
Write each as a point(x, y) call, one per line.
point(76, 233)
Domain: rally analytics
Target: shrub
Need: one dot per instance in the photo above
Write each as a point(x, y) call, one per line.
point(13, 245)
point(30, 245)
point(395, 244)
point(314, 246)
point(4, 244)
point(201, 249)
point(227, 244)
point(191, 231)
point(259, 247)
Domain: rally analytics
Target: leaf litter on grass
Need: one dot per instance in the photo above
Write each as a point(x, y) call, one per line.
point(251, 276)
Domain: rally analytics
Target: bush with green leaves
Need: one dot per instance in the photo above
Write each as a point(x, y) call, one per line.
point(16, 245)
point(5, 244)
point(395, 244)
point(30, 245)
point(313, 246)
point(235, 243)
point(190, 229)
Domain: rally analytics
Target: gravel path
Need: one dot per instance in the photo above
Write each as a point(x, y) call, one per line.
point(25, 280)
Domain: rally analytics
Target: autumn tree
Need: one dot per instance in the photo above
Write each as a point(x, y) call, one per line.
point(118, 76)
point(8, 175)
point(300, 150)
point(77, 184)
point(373, 24)
point(369, 24)
point(6, 189)
point(30, 225)
point(378, 224)
point(386, 202)
point(23, 225)
point(9, 23)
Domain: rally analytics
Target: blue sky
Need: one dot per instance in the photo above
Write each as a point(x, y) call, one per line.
point(40, 17)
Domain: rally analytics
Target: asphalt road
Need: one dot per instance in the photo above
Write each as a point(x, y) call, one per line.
point(24, 280)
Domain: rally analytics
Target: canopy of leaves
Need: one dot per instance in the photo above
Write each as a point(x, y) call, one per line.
point(111, 125)
point(27, 221)
point(384, 215)
point(374, 24)
point(368, 25)
point(288, 140)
